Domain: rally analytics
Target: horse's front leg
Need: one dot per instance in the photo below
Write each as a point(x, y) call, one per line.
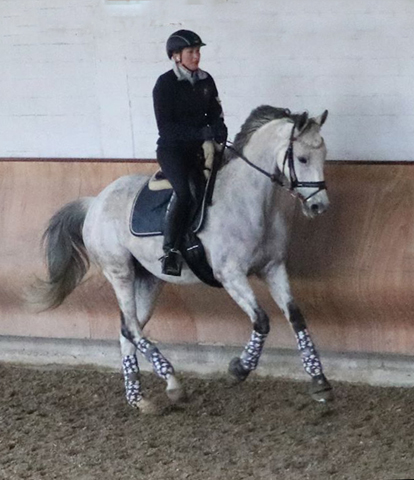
point(278, 282)
point(240, 290)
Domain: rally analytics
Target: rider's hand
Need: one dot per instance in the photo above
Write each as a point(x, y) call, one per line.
point(220, 132)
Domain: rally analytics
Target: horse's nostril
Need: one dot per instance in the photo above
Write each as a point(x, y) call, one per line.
point(315, 208)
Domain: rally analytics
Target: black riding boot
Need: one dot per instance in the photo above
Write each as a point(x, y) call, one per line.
point(173, 231)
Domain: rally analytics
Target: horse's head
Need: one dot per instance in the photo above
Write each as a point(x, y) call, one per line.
point(300, 152)
point(302, 163)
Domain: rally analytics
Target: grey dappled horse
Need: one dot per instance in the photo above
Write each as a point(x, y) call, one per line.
point(245, 234)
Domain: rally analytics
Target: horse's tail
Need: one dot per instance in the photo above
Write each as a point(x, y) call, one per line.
point(66, 256)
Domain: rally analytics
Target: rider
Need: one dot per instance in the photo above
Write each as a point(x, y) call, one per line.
point(188, 112)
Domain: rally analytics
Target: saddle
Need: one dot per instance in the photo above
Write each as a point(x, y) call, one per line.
point(150, 207)
point(159, 182)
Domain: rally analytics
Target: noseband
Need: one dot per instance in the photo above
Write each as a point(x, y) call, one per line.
point(279, 175)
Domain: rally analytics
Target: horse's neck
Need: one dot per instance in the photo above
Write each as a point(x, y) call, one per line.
point(249, 213)
point(250, 200)
point(244, 191)
point(238, 184)
point(240, 180)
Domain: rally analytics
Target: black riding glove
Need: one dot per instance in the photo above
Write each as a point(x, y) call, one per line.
point(220, 132)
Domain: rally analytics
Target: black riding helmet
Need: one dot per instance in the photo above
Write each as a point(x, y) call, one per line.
point(182, 39)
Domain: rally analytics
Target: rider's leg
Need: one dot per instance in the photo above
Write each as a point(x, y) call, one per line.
point(175, 167)
point(175, 221)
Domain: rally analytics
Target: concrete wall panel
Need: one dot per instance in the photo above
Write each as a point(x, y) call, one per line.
point(352, 270)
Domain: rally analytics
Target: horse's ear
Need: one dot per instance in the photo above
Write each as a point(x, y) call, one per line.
point(322, 118)
point(301, 121)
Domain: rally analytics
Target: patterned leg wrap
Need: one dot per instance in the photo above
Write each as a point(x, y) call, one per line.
point(162, 367)
point(133, 390)
point(251, 354)
point(310, 357)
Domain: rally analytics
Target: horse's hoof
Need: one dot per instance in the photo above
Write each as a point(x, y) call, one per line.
point(177, 395)
point(175, 390)
point(321, 390)
point(237, 371)
point(147, 407)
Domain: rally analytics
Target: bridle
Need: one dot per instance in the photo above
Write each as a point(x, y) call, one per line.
point(279, 175)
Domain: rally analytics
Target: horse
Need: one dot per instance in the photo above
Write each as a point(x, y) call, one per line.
point(273, 158)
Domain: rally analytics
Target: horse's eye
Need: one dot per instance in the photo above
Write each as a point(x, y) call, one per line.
point(303, 160)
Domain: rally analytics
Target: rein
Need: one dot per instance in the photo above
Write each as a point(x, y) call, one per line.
point(278, 176)
point(274, 177)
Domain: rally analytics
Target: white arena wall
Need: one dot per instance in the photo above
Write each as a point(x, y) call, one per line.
point(77, 75)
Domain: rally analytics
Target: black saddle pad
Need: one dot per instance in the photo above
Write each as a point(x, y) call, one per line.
point(148, 212)
point(150, 207)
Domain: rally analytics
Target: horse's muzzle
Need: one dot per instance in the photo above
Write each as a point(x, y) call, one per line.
point(316, 205)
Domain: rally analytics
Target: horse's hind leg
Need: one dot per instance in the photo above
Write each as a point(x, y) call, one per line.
point(147, 289)
point(277, 280)
point(122, 275)
point(130, 367)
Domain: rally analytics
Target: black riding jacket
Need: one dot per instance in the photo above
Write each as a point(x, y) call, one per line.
point(183, 111)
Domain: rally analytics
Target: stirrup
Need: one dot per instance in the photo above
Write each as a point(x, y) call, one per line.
point(171, 263)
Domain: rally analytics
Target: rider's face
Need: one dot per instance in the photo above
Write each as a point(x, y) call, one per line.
point(190, 58)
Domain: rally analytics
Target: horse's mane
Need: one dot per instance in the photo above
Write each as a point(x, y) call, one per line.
point(257, 118)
